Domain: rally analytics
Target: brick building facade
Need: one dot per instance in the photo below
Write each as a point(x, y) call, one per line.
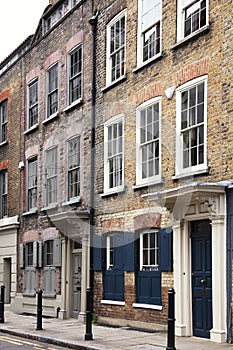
point(163, 163)
point(50, 89)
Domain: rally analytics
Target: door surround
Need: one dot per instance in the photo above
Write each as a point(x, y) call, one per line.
point(193, 202)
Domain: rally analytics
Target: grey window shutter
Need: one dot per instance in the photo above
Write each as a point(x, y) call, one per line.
point(49, 281)
point(21, 256)
point(30, 281)
point(40, 254)
point(35, 253)
point(57, 252)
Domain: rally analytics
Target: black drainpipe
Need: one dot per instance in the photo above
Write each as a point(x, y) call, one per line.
point(89, 307)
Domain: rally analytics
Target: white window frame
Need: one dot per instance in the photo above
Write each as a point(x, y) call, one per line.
point(199, 168)
point(110, 252)
point(34, 185)
point(78, 75)
point(4, 193)
point(182, 5)
point(3, 121)
point(156, 178)
point(33, 105)
point(149, 267)
point(77, 168)
point(50, 92)
point(51, 175)
point(107, 189)
point(116, 19)
point(142, 31)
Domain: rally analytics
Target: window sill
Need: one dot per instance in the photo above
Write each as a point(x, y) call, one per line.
point(191, 174)
point(3, 143)
point(50, 118)
point(50, 207)
point(113, 302)
point(49, 295)
point(148, 306)
point(72, 201)
point(147, 184)
point(30, 212)
point(33, 128)
point(114, 83)
point(113, 192)
point(73, 105)
point(29, 294)
point(191, 37)
point(148, 62)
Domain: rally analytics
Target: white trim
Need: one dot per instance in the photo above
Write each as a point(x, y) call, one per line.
point(199, 168)
point(74, 103)
point(113, 302)
point(148, 306)
point(140, 62)
point(108, 60)
point(181, 6)
point(156, 178)
point(107, 191)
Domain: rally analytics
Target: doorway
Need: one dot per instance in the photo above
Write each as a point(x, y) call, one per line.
point(201, 241)
point(7, 279)
point(76, 283)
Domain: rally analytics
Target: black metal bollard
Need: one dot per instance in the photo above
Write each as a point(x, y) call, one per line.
point(39, 310)
point(88, 334)
point(171, 320)
point(2, 299)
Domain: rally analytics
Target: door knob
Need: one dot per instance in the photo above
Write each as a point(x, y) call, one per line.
point(203, 281)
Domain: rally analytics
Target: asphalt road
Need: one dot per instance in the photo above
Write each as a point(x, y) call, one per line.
point(8, 342)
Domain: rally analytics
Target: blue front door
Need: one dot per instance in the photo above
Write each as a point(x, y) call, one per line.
point(201, 278)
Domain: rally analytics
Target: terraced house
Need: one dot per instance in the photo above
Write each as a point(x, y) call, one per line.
point(45, 155)
point(149, 105)
point(164, 165)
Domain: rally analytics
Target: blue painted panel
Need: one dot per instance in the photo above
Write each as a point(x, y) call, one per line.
point(165, 249)
point(149, 287)
point(129, 251)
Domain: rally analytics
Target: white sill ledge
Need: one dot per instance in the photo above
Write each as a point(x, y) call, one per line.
point(72, 105)
point(113, 302)
point(144, 64)
point(148, 306)
point(147, 184)
point(30, 212)
point(72, 201)
point(50, 207)
point(113, 83)
point(113, 192)
point(33, 128)
point(191, 36)
point(50, 118)
point(191, 173)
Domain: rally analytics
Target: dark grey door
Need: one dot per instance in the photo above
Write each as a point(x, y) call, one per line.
point(76, 284)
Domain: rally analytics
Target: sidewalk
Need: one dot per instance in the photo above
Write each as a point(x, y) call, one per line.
point(70, 333)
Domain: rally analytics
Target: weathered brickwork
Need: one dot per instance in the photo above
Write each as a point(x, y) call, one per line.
point(200, 56)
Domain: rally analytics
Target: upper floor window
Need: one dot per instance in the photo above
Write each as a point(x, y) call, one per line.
point(75, 74)
point(148, 142)
point(51, 175)
point(73, 166)
point(149, 29)
point(52, 90)
point(116, 50)
point(33, 104)
point(149, 251)
point(29, 254)
point(48, 252)
point(32, 184)
point(114, 168)
point(3, 193)
point(3, 120)
point(192, 16)
point(58, 13)
point(191, 126)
